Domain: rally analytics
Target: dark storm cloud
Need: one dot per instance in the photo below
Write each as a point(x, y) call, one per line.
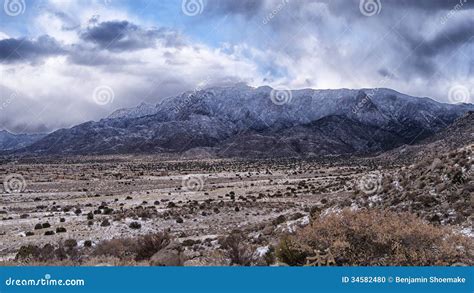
point(396, 23)
point(115, 36)
point(126, 36)
point(432, 4)
point(425, 52)
point(246, 8)
point(351, 7)
point(451, 38)
point(24, 50)
point(251, 8)
point(385, 72)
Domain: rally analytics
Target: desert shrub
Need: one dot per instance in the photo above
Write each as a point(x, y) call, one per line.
point(105, 223)
point(236, 250)
point(120, 248)
point(135, 225)
point(289, 252)
point(150, 244)
point(28, 252)
point(279, 220)
point(70, 243)
point(61, 230)
point(139, 248)
point(376, 238)
point(47, 253)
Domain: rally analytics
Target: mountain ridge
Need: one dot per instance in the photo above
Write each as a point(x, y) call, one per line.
point(216, 117)
point(12, 141)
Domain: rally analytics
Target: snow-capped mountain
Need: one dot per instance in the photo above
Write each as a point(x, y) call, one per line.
point(241, 120)
point(143, 109)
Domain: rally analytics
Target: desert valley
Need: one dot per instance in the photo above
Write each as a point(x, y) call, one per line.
point(368, 180)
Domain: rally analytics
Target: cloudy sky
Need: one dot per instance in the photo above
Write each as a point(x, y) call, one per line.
point(64, 62)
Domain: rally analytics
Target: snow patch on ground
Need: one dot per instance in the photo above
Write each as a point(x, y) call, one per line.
point(262, 251)
point(329, 211)
point(291, 226)
point(354, 207)
point(468, 232)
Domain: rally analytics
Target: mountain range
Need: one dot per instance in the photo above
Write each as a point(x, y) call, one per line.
point(243, 121)
point(11, 141)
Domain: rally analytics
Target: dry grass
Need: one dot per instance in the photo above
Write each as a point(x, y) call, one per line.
point(120, 251)
point(138, 249)
point(89, 261)
point(368, 238)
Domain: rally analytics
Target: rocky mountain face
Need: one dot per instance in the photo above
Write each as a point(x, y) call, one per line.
point(245, 121)
point(457, 135)
point(143, 109)
point(10, 141)
point(432, 178)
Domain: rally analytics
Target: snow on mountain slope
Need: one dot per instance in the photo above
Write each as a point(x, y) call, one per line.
point(143, 109)
point(10, 141)
point(368, 120)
